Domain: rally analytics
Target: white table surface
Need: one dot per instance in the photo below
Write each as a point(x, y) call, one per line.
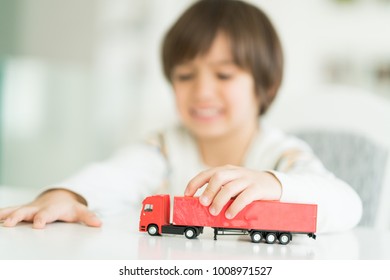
point(119, 238)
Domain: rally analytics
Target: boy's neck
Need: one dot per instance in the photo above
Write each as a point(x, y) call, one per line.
point(229, 149)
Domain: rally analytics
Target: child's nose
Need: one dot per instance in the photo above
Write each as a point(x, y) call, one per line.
point(204, 87)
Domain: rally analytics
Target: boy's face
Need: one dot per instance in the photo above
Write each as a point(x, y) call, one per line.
point(214, 96)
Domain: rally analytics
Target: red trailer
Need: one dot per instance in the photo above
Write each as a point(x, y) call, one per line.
point(268, 220)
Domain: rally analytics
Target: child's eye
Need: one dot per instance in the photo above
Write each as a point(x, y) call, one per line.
point(224, 76)
point(184, 77)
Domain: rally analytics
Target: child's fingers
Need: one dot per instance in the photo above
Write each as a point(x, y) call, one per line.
point(45, 217)
point(219, 179)
point(242, 200)
point(204, 177)
point(90, 219)
point(228, 191)
point(39, 221)
point(42, 218)
point(5, 212)
point(198, 181)
point(21, 214)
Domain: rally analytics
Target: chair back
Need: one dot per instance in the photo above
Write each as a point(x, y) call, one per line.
point(349, 130)
point(354, 159)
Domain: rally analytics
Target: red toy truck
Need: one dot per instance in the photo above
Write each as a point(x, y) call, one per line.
point(268, 220)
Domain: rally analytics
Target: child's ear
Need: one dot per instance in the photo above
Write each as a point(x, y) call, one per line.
point(258, 100)
point(267, 98)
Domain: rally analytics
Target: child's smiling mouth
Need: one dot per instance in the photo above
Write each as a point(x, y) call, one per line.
point(209, 113)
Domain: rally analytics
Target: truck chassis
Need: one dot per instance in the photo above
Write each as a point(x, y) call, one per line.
point(256, 236)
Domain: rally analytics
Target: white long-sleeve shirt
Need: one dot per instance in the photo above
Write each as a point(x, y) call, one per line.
point(167, 162)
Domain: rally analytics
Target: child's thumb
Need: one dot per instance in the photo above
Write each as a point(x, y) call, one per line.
point(90, 219)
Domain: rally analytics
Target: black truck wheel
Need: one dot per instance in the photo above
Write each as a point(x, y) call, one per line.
point(190, 233)
point(284, 238)
point(256, 236)
point(270, 238)
point(153, 230)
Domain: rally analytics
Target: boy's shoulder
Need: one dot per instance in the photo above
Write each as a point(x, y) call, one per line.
point(274, 136)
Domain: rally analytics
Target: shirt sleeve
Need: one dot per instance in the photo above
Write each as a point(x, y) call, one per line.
point(120, 182)
point(304, 179)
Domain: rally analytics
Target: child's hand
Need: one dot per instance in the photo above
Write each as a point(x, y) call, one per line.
point(51, 206)
point(230, 181)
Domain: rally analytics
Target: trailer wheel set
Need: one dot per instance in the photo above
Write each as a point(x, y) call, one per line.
point(271, 237)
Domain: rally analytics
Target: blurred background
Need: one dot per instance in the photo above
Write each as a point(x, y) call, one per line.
point(80, 79)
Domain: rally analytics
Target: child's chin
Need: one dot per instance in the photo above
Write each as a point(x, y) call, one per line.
point(208, 132)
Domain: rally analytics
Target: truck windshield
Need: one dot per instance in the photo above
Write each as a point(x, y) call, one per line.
point(148, 208)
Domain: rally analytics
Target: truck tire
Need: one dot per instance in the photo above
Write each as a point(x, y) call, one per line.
point(256, 236)
point(153, 230)
point(270, 238)
point(284, 238)
point(190, 233)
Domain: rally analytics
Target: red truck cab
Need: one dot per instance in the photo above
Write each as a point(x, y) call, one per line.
point(154, 214)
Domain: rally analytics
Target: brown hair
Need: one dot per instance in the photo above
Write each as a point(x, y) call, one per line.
point(255, 43)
